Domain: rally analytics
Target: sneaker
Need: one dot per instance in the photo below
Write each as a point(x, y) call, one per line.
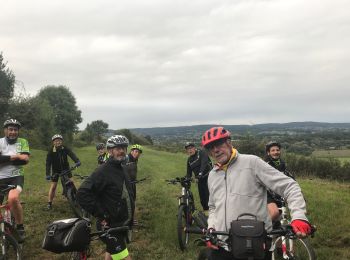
point(49, 206)
point(21, 234)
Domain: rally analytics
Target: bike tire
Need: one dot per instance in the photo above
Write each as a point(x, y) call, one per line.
point(71, 197)
point(12, 250)
point(297, 249)
point(183, 218)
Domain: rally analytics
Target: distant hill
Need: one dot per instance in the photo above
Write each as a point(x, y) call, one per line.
point(196, 130)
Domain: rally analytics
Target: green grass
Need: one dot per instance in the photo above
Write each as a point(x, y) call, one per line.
point(328, 205)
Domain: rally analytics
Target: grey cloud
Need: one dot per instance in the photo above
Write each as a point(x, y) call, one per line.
point(185, 62)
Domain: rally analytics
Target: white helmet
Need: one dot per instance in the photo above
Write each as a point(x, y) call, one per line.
point(117, 140)
point(12, 122)
point(57, 136)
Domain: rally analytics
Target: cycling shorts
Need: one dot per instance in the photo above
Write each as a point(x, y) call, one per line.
point(17, 180)
point(55, 176)
point(115, 244)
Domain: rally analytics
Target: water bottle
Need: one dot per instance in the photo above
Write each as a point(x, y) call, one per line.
point(7, 216)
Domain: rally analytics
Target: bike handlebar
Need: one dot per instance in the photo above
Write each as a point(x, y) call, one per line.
point(179, 180)
point(138, 181)
point(82, 177)
point(109, 231)
point(70, 169)
point(285, 230)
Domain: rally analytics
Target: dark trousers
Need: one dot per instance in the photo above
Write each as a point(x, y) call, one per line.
point(222, 254)
point(203, 192)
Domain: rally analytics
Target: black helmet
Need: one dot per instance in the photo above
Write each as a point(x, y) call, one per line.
point(189, 144)
point(12, 122)
point(117, 140)
point(100, 146)
point(270, 144)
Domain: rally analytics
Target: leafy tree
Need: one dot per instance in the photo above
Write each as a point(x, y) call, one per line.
point(36, 116)
point(127, 133)
point(66, 115)
point(94, 131)
point(7, 85)
point(149, 139)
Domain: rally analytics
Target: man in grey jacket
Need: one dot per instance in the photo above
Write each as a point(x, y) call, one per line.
point(238, 184)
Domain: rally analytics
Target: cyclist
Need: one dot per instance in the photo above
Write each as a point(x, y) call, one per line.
point(241, 181)
point(200, 164)
point(57, 161)
point(102, 153)
point(107, 195)
point(130, 164)
point(14, 153)
point(273, 158)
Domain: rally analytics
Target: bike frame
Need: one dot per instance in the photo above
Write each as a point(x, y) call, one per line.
point(284, 221)
point(66, 182)
point(7, 227)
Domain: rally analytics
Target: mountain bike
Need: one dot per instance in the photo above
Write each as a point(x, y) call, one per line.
point(70, 191)
point(290, 247)
point(285, 231)
point(9, 246)
point(185, 210)
point(83, 255)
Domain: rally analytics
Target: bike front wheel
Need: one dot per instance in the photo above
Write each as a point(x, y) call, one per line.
point(183, 220)
point(296, 249)
point(9, 248)
point(71, 197)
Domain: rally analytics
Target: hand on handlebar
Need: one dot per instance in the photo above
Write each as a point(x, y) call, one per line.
point(77, 164)
point(301, 228)
point(210, 239)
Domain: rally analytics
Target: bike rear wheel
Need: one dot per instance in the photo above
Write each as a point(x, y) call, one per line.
point(184, 219)
point(9, 248)
point(296, 249)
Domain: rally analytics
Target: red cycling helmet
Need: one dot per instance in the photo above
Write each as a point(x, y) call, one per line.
point(214, 134)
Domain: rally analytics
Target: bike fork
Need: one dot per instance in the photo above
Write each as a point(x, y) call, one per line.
point(287, 249)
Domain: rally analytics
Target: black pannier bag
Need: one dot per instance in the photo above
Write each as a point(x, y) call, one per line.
point(67, 235)
point(248, 237)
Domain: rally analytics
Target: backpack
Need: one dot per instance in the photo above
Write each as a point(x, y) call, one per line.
point(248, 237)
point(67, 235)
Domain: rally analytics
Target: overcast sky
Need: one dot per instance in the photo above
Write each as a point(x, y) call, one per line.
point(154, 63)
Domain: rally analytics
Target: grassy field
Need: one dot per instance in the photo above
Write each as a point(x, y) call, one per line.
point(328, 206)
point(342, 155)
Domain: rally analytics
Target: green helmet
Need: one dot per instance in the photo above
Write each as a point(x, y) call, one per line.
point(136, 146)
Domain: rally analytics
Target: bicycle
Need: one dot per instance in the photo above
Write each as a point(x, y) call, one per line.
point(9, 246)
point(185, 210)
point(70, 191)
point(291, 247)
point(83, 255)
point(285, 231)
